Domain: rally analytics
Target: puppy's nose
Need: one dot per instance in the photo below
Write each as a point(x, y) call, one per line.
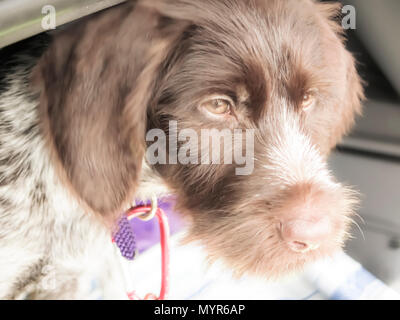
point(304, 235)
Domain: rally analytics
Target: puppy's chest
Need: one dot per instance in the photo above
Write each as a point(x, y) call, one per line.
point(36, 210)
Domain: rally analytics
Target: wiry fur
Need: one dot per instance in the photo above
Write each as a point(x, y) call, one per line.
point(73, 122)
point(49, 246)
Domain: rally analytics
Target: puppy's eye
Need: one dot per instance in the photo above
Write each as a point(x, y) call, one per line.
point(308, 101)
point(217, 106)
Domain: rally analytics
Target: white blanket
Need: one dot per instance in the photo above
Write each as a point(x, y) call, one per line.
point(339, 277)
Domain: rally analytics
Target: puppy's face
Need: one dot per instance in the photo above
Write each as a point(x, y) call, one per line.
point(274, 75)
point(279, 70)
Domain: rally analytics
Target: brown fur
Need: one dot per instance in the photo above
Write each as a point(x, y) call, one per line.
point(109, 78)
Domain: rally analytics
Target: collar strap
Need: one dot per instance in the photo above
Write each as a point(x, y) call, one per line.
point(126, 242)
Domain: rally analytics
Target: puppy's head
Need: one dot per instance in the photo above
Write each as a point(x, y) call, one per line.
point(272, 76)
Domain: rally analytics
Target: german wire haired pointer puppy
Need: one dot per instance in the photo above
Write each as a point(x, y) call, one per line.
point(75, 110)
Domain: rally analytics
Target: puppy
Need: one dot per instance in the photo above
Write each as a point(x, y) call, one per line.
point(75, 112)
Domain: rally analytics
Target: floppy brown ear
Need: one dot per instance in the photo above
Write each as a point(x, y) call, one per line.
point(96, 80)
point(350, 92)
point(354, 94)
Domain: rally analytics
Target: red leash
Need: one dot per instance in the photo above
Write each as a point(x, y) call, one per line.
point(139, 211)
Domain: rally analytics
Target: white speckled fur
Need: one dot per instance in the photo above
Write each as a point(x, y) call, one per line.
point(49, 247)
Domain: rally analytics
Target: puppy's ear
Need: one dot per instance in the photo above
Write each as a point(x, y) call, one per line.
point(354, 94)
point(96, 81)
point(350, 91)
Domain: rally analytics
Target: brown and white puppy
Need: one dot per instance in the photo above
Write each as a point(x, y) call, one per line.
point(74, 121)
